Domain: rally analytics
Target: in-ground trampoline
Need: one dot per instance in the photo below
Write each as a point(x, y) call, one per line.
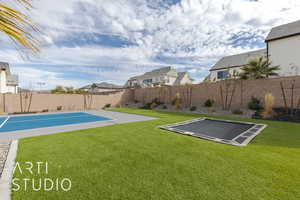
point(223, 131)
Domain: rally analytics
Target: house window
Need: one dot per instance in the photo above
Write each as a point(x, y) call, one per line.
point(147, 81)
point(222, 74)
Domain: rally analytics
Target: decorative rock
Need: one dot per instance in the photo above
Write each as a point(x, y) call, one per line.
point(4, 147)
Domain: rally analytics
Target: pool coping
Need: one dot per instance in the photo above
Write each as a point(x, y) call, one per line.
point(233, 141)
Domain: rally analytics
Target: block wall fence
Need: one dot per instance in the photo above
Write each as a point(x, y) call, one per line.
point(10, 103)
point(240, 91)
point(236, 93)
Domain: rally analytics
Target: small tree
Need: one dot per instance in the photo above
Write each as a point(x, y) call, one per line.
point(227, 92)
point(58, 90)
point(25, 101)
point(258, 68)
point(288, 92)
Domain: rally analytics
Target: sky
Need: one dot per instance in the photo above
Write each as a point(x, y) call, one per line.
point(86, 41)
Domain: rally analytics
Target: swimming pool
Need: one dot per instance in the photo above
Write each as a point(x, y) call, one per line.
point(18, 123)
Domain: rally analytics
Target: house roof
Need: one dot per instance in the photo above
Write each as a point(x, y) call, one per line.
point(238, 60)
point(103, 85)
point(157, 72)
point(160, 71)
point(283, 31)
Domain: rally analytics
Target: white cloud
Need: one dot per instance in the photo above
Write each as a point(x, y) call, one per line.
point(30, 77)
point(193, 33)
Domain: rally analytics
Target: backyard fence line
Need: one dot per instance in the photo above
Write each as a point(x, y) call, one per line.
point(228, 94)
point(12, 103)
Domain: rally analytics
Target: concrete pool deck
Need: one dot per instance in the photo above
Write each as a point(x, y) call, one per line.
point(117, 118)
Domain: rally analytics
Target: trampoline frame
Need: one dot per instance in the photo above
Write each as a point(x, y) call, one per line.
point(252, 132)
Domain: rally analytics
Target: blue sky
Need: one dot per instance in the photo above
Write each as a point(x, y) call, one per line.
point(85, 41)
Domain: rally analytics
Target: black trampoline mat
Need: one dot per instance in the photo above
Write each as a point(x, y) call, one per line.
point(215, 128)
point(224, 131)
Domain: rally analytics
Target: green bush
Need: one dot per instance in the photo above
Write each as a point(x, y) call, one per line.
point(254, 104)
point(146, 106)
point(193, 108)
point(59, 108)
point(151, 105)
point(107, 106)
point(209, 103)
point(237, 112)
point(173, 102)
point(157, 102)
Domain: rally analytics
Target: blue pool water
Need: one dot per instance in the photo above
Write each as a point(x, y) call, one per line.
point(17, 123)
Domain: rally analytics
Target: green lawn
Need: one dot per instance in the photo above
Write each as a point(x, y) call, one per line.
point(139, 161)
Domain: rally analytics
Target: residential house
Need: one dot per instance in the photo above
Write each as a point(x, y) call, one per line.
point(159, 77)
point(101, 87)
point(231, 65)
point(283, 44)
point(8, 82)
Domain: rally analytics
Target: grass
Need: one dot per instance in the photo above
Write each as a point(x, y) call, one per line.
point(138, 161)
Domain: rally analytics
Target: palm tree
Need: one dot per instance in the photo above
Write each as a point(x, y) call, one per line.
point(258, 68)
point(18, 26)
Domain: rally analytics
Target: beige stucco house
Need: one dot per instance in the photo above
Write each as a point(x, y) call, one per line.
point(283, 44)
point(159, 77)
point(8, 82)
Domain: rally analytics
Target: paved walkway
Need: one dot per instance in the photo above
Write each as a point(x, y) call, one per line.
point(4, 147)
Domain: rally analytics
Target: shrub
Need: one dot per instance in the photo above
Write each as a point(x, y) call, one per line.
point(45, 110)
point(165, 107)
point(107, 106)
point(237, 112)
point(254, 104)
point(268, 108)
point(59, 108)
point(209, 103)
point(156, 101)
point(212, 110)
point(193, 108)
point(146, 106)
point(153, 105)
point(173, 102)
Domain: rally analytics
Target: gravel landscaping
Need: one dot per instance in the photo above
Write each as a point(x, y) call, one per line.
point(4, 147)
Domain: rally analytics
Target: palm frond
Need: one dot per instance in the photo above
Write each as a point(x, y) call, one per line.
point(18, 27)
point(274, 68)
point(258, 68)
